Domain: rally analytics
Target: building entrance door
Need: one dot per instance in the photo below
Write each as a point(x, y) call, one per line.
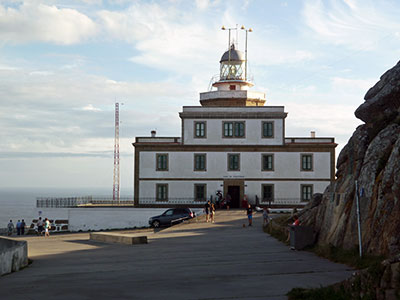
point(235, 189)
point(234, 192)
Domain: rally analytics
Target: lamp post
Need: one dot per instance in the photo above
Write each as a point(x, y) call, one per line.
point(245, 66)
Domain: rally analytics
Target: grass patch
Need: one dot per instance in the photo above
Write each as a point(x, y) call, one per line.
point(325, 293)
point(348, 257)
point(365, 285)
point(277, 228)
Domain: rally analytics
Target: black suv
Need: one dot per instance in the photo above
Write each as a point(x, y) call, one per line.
point(171, 216)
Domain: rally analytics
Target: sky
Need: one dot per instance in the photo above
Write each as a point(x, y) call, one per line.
point(64, 64)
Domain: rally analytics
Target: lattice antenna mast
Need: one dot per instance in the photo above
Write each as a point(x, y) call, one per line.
point(116, 156)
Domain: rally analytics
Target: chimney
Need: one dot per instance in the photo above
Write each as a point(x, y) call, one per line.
point(313, 134)
point(153, 133)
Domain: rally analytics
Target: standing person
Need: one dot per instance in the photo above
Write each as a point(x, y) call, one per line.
point(46, 227)
point(219, 199)
point(296, 222)
point(23, 227)
point(207, 210)
point(39, 226)
point(19, 227)
point(266, 216)
point(212, 213)
point(249, 211)
point(228, 201)
point(10, 228)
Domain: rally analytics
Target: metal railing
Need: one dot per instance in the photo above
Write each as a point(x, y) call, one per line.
point(65, 202)
point(217, 77)
point(172, 201)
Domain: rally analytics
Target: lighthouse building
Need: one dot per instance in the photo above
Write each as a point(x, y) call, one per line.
point(233, 144)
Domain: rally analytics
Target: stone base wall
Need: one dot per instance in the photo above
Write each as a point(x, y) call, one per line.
point(13, 255)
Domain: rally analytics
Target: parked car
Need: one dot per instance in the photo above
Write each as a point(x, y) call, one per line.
point(171, 216)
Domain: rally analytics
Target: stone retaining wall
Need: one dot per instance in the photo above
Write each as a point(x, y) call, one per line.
point(13, 255)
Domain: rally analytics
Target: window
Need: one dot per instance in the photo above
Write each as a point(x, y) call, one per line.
point(161, 192)
point(233, 162)
point(169, 212)
point(267, 192)
point(267, 129)
point(234, 129)
point(228, 129)
point(162, 162)
point(199, 129)
point(306, 192)
point(200, 162)
point(200, 192)
point(267, 162)
point(239, 129)
point(232, 87)
point(306, 162)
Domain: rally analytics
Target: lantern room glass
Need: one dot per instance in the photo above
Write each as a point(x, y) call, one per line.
point(232, 70)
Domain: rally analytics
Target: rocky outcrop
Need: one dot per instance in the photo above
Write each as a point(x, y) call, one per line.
point(372, 158)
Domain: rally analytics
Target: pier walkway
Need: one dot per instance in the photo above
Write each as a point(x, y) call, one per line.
point(189, 261)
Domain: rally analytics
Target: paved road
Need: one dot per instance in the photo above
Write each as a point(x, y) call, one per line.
point(189, 261)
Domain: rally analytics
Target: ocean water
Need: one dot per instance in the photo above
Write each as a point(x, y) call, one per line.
point(20, 203)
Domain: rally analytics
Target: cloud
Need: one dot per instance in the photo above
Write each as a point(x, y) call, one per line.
point(202, 4)
point(39, 22)
point(351, 86)
point(73, 112)
point(355, 24)
point(165, 36)
point(327, 120)
point(265, 53)
point(29, 155)
point(90, 107)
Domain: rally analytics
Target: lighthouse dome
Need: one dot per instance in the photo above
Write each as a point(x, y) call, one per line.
point(235, 55)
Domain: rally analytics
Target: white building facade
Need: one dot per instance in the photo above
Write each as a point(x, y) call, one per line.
point(235, 145)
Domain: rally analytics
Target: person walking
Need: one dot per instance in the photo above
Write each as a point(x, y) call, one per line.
point(10, 228)
point(39, 226)
point(266, 216)
point(46, 227)
point(23, 227)
point(249, 211)
point(19, 227)
point(207, 207)
point(212, 213)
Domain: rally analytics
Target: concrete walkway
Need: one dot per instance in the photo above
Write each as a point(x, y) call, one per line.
point(188, 261)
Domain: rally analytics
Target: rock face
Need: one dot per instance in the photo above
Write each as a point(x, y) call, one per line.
point(372, 158)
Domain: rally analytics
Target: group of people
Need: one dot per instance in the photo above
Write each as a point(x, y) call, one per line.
point(41, 226)
point(221, 202)
point(209, 210)
point(20, 227)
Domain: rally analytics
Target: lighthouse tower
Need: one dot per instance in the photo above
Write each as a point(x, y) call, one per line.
point(232, 85)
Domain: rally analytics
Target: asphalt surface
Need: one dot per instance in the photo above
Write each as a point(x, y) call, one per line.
point(189, 261)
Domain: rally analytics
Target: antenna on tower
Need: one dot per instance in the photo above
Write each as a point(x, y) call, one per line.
point(116, 156)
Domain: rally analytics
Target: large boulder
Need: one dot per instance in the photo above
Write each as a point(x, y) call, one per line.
point(372, 158)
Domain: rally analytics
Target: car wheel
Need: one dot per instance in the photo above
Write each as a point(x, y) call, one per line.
point(156, 224)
